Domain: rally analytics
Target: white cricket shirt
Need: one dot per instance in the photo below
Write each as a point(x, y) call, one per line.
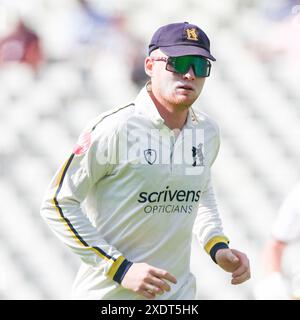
point(286, 228)
point(287, 224)
point(131, 191)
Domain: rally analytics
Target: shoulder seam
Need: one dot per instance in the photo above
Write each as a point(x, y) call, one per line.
point(94, 127)
point(210, 121)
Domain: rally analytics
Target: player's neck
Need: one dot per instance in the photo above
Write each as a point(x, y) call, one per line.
point(174, 116)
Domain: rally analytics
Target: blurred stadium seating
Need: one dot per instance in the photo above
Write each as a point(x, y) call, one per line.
point(254, 101)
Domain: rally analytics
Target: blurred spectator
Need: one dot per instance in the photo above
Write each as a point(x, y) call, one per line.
point(278, 10)
point(90, 22)
point(91, 25)
point(136, 58)
point(21, 45)
point(281, 34)
point(103, 37)
point(110, 48)
point(279, 284)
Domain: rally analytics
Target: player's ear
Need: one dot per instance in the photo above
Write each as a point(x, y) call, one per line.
point(148, 66)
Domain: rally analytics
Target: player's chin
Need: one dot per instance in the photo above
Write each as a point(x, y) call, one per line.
point(184, 99)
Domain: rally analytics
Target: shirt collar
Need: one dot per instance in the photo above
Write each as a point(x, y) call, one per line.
point(144, 104)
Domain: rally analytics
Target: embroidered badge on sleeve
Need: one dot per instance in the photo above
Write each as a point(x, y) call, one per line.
point(83, 143)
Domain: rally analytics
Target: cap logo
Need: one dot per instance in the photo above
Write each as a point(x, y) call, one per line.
point(192, 34)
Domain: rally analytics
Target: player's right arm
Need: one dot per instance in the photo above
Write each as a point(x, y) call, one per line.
point(61, 207)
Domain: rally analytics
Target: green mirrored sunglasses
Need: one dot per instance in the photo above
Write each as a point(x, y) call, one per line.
point(200, 65)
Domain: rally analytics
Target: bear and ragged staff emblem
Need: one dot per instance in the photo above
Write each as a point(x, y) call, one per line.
point(197, 154)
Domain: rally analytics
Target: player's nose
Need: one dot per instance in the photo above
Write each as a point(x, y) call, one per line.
point(190, 75)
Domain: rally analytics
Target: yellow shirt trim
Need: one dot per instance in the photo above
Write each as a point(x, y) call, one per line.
point(214, 241)
point(114, 268)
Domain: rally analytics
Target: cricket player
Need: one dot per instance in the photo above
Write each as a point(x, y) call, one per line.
point(282, 282)
point(138, 184)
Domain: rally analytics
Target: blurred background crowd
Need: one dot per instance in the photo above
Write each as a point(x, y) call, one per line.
point(63, 62)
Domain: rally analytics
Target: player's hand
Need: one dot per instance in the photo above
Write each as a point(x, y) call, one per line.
point(235, 262)
point(147, 280)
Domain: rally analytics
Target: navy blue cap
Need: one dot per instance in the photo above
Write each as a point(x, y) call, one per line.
point(181, 39)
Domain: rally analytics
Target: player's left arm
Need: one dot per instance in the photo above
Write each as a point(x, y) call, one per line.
point(208, 228)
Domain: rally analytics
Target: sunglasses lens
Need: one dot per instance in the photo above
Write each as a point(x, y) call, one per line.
point(182, 64)
point(202, 67)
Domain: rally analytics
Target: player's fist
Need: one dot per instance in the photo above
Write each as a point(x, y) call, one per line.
point(235, 262)
point(147, 280)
